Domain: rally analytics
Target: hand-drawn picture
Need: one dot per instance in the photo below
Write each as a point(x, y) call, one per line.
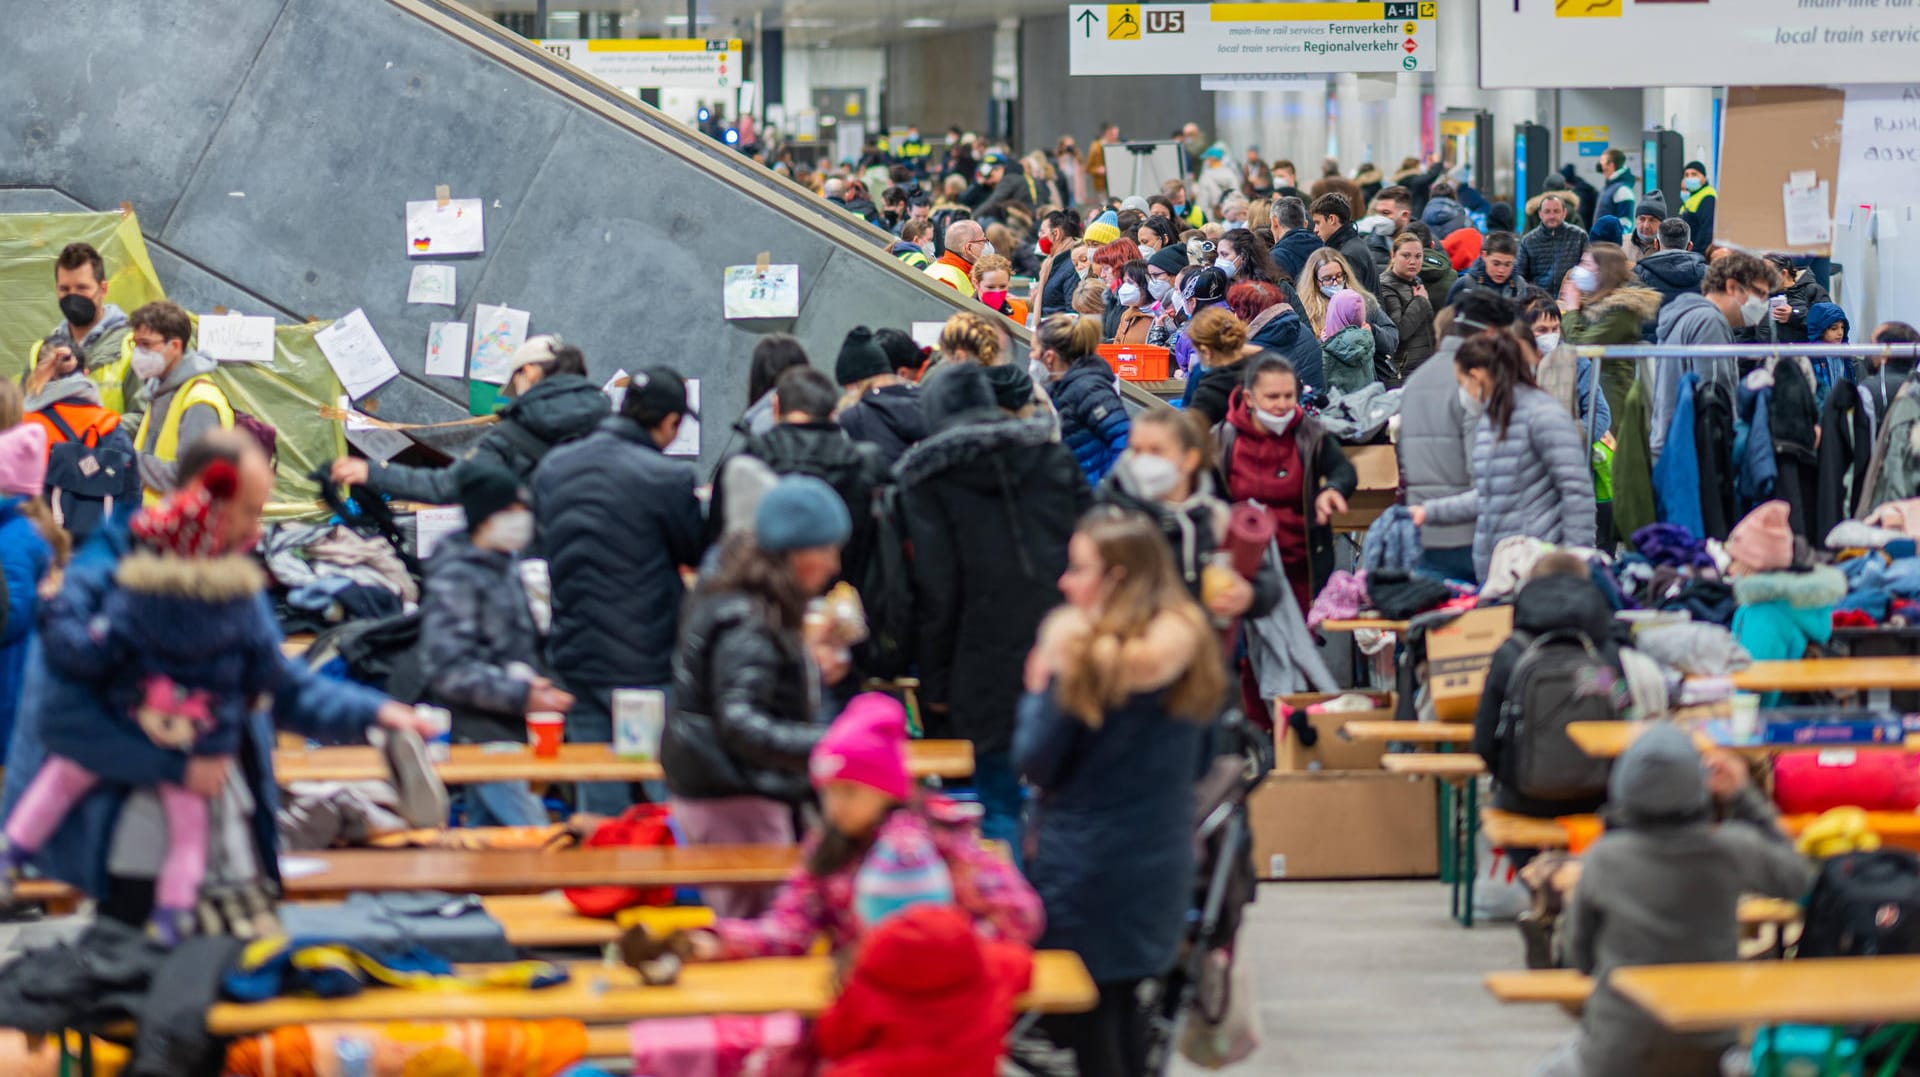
point(753, 292)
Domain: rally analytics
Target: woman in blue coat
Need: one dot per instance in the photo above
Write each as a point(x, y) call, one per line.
point(1120, 688)
point(31, 546)
point(1093, 421)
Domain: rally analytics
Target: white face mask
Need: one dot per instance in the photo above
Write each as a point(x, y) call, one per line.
point(1546, 342)
point(1275, 424)
point(986, 251)
point(1233, 226)
point(1471, 403)
point(1226, 265)
point(1081, 273)
point(509, 532)
point(1584, 279)
point(1153, 477)
point(1753, 311)
point(148, 364)
point(1159, 289)
point(1129, 295)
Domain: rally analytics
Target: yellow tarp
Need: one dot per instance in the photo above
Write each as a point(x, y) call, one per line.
point(287, 394)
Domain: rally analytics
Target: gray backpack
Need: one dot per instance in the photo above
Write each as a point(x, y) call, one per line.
point(1561, 678)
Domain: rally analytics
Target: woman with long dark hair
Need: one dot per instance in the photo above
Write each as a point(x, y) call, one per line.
point(1530, 470)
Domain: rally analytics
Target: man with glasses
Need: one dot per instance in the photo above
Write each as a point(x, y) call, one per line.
point(184, 403)
point(1735, 296)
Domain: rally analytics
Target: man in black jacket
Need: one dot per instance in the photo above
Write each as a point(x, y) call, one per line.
point(1293, 241)
point(885, 407)
point(1675, 269)
point(617, 519)
point(989, 502)
point(1333, 223)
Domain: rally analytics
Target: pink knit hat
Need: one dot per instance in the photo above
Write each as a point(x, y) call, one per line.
point(867, 744)
point(1345, 310)
point(23, 460)
point(1764, 540)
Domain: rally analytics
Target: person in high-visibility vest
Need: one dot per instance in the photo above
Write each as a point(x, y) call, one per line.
point(966, 243)
point(183, 402)
point(95, 329)
point(1697, 208)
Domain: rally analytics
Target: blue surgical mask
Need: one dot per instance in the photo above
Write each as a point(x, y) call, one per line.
point(1331, 290)
point(1691, 184)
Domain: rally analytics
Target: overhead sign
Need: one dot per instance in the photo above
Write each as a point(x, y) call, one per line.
point(1553, 44)
point(653, 64)
point(1251, 39)
point(1296, 81)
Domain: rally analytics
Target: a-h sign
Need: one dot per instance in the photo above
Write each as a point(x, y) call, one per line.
point(1166, 22)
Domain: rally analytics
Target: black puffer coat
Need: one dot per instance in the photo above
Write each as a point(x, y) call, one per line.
point(989, 503)
point(558, 409)
point(824, 451)
point(744, 700)
point(888, 418)
point(617, 519)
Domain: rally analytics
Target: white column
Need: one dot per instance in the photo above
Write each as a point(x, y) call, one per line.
point(1351, 126)
point(1236, 120)
point(1402, 138)
point(1688, 110)
point(1457, 80)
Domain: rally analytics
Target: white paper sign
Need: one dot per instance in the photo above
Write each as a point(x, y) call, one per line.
point(1809, 221)
point(616, 389)
point(1879, 147)
point(377, 442)
point(355, 352)
point(432, 525)
point(751, 292)
point(497, 333)
point(687, 441)
point(434, 230)
point(431, 284)
point(447, 349)
point(927, 334)
point(236, 338)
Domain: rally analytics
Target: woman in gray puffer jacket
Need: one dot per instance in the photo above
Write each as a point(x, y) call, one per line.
point(1531, 474)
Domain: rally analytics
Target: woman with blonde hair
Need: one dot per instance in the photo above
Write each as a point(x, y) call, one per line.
point(1093, 421)
point(1327, 273)
point(1121, 687)
point(992, 278)
point(969, 337)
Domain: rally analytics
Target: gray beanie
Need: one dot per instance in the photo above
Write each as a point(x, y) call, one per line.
point(1658, 777)
point(799, 513)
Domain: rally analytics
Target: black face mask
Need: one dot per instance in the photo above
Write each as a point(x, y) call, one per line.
point(78, 309)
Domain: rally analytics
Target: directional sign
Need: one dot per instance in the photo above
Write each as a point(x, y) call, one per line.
point(648, 63)
point(1260, 38)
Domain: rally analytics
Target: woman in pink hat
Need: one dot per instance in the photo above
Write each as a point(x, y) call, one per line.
point(33, 549)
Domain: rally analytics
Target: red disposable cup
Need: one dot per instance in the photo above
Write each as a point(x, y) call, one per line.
point(545, 731)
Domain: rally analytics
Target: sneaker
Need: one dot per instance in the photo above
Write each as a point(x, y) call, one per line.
point(423, 797)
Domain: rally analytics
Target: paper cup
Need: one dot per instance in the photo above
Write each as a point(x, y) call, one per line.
point(639, 718)
point(1745, 721)
point(439, 733)
point(545, 731)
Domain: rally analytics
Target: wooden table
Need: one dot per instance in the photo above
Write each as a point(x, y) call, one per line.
point(527, 871)
point(1878, 677)
point(1607, 740)
point(1564, 987)
point(549, 921)
point(1356, 624)
point(601, 995)
point(1809, 991)
point(473, 763)
point(1409, 732)
point(1457, 767)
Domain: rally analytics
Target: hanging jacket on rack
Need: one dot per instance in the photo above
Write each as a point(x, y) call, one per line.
point(1846, 445)
point(1795, 420)
point(1713, 441)
point(1677, 478)
point(1633, 505)
point(1892, 475)
point(1755, 469)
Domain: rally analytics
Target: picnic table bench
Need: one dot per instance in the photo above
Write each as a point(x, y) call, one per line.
point(1607, 740)
point(332, 874)
point(1430, 733)
point(1459, 771)
point(1739, 994)
point(469, 764)
point(1878, 677)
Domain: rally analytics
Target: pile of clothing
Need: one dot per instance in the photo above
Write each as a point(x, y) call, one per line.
point(327, 574)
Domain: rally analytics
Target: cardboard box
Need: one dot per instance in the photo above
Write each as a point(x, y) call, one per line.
point(1332, 824)
point(1458, 656)
point(1330, 752)
point(1379, 470)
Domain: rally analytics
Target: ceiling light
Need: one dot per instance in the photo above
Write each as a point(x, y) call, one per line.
point(924, 24)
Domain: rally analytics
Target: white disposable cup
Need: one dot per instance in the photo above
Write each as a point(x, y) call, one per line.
point(639, 719)
point(439, 734)
point(1745, 721)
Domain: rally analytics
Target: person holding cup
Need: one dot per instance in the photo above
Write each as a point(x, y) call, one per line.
point(748, 675)
point(480, 642)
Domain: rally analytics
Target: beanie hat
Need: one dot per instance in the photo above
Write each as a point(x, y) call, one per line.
point(1135, 202)
point(1500, 217)
point(1462, 245)
point(860, 358)
point(866, 745)
point(182, 522)
point(1101, 233)
point(1108, 217)
point(1659, 777)
point(903, 869)
point(1695, 166)
point(1653, 205)
point(1012, 386)
point(1607, 230)
point(1764, 539)
point(484, 489)
point(799, 513)
point(23, 460)
point(1170, 259)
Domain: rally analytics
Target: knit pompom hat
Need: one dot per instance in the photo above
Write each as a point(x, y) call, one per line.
point(866, 745)
point(903, 869)
point(861, 357)
point(184, 522)
point(23, 460)
point(1764, 540)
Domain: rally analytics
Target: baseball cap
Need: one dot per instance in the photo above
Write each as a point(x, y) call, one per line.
point(661, 391)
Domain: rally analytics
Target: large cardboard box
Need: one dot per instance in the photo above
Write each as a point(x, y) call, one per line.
point(1331, 824)
point(1458, 656)
point(1378, 467)
point(1330, 751)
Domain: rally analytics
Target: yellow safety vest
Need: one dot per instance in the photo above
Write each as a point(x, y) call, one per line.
point(197, 391)
point(1692, 203)
point(111, 378)
point(951, 276)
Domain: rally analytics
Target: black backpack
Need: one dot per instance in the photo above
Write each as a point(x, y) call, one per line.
point(1561, 678)
point(87, 480)
point(1863, 905)
point(887, 591)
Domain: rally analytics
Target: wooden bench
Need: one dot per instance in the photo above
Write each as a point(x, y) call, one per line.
point(1741, 994)
point(474, 763)
point(1608, 740)
point(1508, 830)
point(1429, 733)
point(1361, 624)
point(1565, 988)
point(548, 921)
point(1878, 677)
point(337, 873)
point(599, 994)
point(1457, 777)
point(1452, 767)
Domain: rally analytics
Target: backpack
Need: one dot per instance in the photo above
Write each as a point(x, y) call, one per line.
point(86, 479)
point(1560, 678)
point(641, 826)
point(1863, 905)
point(886, 590)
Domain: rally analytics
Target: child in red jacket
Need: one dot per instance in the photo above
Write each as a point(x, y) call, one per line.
point(927, 995)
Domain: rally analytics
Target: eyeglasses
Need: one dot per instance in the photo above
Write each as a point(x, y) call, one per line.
point(1336, 278)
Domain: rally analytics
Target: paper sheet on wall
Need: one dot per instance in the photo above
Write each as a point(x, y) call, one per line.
point(431, 284)
point(616, 389)
point(432, 525)
point(687, 441)
point(447, 349)
point(434, 230)
point(377, 442)
point(355, 352)
point(752, 292)
point(497, 333)
point(927, 334)
point(1809, 221)
point(1879, 147)
point(237, 338)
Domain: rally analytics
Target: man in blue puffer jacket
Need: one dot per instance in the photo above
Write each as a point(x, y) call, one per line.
point(1093, 421)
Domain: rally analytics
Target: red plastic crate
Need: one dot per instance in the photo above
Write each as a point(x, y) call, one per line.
point(1138, 362)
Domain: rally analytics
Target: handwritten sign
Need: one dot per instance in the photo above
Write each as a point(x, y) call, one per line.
point(236, 338)
point(1879, 147)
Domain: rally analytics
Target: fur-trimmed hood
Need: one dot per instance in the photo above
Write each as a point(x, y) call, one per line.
point(203, 579)
point(968, 442)
point(1643, 302)
point(1824, 586)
